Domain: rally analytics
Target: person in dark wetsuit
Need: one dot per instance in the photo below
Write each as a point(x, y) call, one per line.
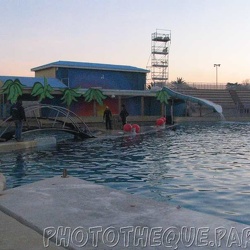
point(18, 116)
point(123, 114)
point(107, 117)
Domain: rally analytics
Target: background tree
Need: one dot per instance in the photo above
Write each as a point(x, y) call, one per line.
point(150, 85)
point(245, 85)
point(246, 82)
point(180, 83)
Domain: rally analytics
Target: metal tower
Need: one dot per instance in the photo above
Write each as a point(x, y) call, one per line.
point(160, 43)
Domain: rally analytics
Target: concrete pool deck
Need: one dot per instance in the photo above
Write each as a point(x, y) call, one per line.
point(78, 214)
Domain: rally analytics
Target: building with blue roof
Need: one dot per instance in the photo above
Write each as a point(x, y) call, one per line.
point(87, 65)
point(122, 84)
point(86, 75)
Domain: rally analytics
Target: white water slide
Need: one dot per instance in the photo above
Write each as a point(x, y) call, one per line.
point(200, 101)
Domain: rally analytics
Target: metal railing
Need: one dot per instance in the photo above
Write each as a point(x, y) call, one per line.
point(191, 85)
point(203, 85)
point(197, 85)
point(56, 117)
point(4, 110)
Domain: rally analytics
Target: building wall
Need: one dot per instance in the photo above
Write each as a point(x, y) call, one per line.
point(106, 79)
point(46, 73)
point(86, 78)
point(133, 105)
point(152, 106)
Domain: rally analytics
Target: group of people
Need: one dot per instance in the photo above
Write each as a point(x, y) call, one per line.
point(107, 116)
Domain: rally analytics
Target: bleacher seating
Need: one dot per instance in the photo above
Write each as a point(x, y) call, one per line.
point(218, 96)
point(244, 96)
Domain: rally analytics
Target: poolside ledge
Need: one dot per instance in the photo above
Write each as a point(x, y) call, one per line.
point(2, 182)
point(13, 145)
point(100, 133)
point(78, 214)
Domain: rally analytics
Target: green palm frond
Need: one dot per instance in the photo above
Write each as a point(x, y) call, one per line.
point(162, 96)
point(13, 89)
point(93, 94)
point(70, 95)
point(42, 90)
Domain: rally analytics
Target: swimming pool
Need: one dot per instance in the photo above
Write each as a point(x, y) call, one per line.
point(203, 167)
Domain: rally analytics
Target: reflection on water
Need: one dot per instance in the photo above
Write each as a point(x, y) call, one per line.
point(19, 168)
point(204, 167)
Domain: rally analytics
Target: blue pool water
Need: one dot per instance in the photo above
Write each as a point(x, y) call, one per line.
point(203, 167)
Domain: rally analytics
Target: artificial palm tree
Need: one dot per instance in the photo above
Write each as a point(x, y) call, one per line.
point(96, 95)
point(70, 95)
point(42, 90)
point(13, 89)
point(163, 97)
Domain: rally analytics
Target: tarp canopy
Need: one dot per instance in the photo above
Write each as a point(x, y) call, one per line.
point(201, 101)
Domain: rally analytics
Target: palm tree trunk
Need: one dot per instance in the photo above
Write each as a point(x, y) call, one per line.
point(163, 109)
point(94, 108)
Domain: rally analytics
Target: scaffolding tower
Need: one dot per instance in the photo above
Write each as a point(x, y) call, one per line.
point(160, 43)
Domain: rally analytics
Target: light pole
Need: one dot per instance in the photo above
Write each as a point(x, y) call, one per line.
point(216, 65)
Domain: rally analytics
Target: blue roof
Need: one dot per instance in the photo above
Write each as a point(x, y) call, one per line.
point(87, 65)
point(28, 82)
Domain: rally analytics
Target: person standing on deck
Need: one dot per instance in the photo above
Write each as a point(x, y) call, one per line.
point(123, 114)
point(18, 116)
point(107, 117)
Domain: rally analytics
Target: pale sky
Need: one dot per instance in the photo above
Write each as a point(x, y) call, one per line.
point(203, 32)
